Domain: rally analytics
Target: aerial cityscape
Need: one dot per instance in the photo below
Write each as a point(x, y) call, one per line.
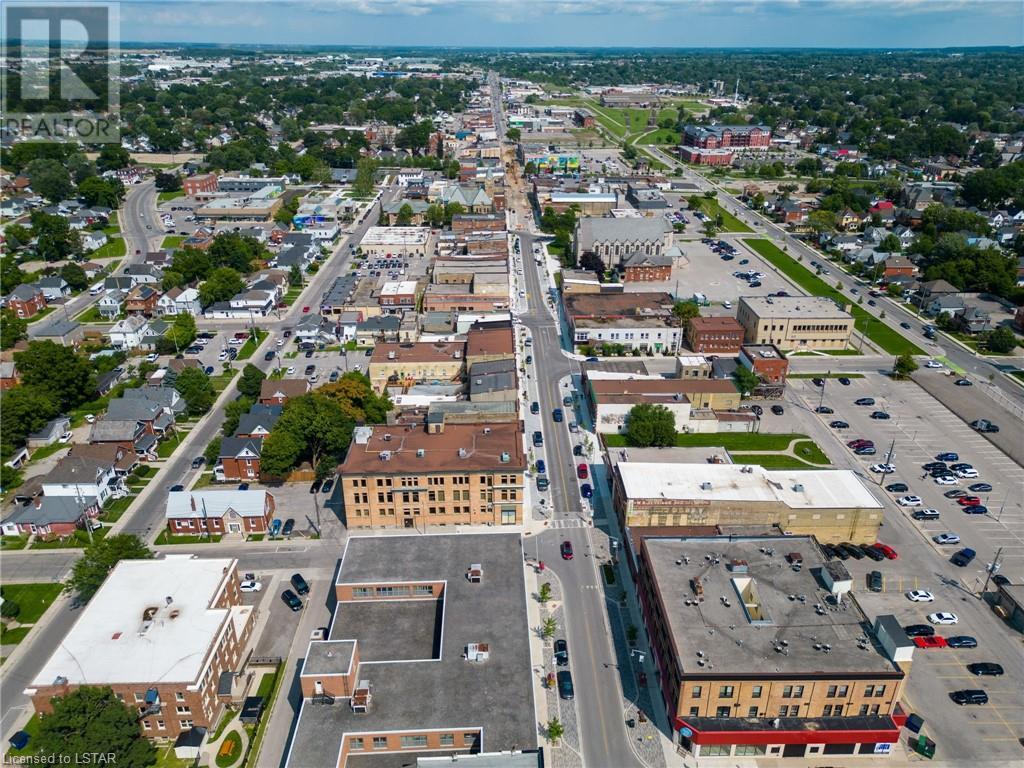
point(512, 384)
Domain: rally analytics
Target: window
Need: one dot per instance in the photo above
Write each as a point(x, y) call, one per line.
point(838, 710)
point(844, 690)
point(696, 692)
point(184, 711)
point(723, 711)
point(755, 692)
point(725, 692)
point(694, 711)
point(832, 691)
point(752, 711)
point(161, 725)
point(880, 690)
point(863, 710)
point(361, 592)
point(423, 589)
point(380, 742)
point(414, 742)
point(185, 723)
point(874, 709)
point(139, 697)
point(447, 740)
point(179, 696)
point(385, 591)
point(749, 750)
point(468, 739)
point(827, 711)
point(787, 692)
point(869, 690)
point(798, 691)
point(715, 750)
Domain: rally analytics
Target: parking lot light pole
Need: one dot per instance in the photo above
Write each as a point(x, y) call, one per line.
point(888, 460)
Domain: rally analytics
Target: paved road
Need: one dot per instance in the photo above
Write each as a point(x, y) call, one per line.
point(139, 210)
point(895, 314)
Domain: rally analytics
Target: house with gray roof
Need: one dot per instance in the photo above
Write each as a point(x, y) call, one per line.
point(50, 517)
point(146, 412)
point(49, 433)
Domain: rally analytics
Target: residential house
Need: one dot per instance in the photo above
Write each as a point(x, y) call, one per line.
point(279, 391)
point(381, 328)
point(884, 210)
point(259, 421)
point(239, 459)
point(141, 300)
point(898, 266)
point(179, 301)
point(945, 304)
point(972, 319)
point(9, 377)
point(50, 517)
point(67, 333)
point(143, 274)
point(129, 434)
point(94, 239)
point(111, 303)
point(26, 300)
point(79, 477)
point(314, 328)
point(129, 333)
point(155, 418)
point(258, 303)
point(49, 433)
point(123, 459)
point(166, 397)
point(54, 287)
point(105, 382)
point(118, 283)
point(848, 219)
point(219, 511)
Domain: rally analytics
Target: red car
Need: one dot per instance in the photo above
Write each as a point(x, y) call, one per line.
point(860, 443)
point(581, 471)
point(968, 501)
point(934, 641)
point(886, 550)
point(305, 310)
point(566, 550)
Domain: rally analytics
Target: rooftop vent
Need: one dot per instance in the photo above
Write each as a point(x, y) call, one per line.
point(463, 453)
point(477, 652)
point(391, 355)
point(361, 697)
point(487, 430)
point(458, 354)
point(705, 486)
point(387, 437)
point(384, 455)
point(798, 487)
point(505, 457)
point(475, 573)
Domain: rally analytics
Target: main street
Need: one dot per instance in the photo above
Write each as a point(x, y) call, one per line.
point(895, 314)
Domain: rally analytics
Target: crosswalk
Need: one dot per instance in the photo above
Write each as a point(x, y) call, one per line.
point(570, 522)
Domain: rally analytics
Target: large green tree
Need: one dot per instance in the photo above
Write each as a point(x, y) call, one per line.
point(98, 560)
point(113, 157)
point(23, 410)
point(233, 413)
point(74, 276)
point(51, 179)
point(91, 721)
point(746, 380)
point(195, 386)
point(650, 425)
point(12, 329)
point(251, 381)
point(1002, 340)
point(221, 285)
point(98, 191)
point(311, 428)
point(56, 240)
point(58, 370)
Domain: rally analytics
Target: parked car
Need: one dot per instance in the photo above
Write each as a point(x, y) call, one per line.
point(538, 439)
point(838, 424)
point(920, 596)
point(561, 653)
point(956, 493)
point(897, 488)
point(289, 526)
point(963, 383)
point(852, 550)
point(534, 407)
point(864, 401)
point(909, 501)
point(946, 538)
point(291, 600)
point(300, 584)
point(198, 461)
point(582, 472)
point(964, 557)
point(961, 641)
point(250, 586)
point(976, 509)
point(243, 486)
point(880, 415)
point(985, 669)
point(919, 630)
point(944, 479)
point(872, 552)
point(884, 469)
point(823, 409)
point(778, 410)
point(866, 450)
point(845, 381)
point(565, 689)
point(948, 456)
point(875, 582)
point(925, 514)
point(984, 425)
point(980, 488)
point(586, 491)
point(968, 501)
point(969, 696)
point(315, 487)
point(934, 641)
point(885, 549)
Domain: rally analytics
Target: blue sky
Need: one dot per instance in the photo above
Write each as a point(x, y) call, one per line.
point(633, 23)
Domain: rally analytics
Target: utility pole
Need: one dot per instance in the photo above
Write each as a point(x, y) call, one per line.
point(821, 400)
point(991, 570)
point(888, 460)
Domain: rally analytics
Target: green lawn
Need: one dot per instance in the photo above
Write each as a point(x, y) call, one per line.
point(41, 314)
point(13, 636)
point(34, 599)
point(808, 450)
point(77, 539)
point(250, 346)
point(221, 380)
point(882, 335)
point(113, 511)
point(660, 136)
point(13, 543)
point(729, 222)
point(167, 447)
point(731, 441)
point(47, 450)
point(292, 294)
point(233, 743)
point(91, 315)
point(32, 729)
point(172, 241)
point(163, 197)
point(165, 758)
point(115, 248)
point(772, 461)
point(169, 538)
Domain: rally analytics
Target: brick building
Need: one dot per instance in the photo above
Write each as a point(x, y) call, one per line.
point(767, 361)
point(279, 391)
point(407, 364)
point(720, 136)
point(204, 184)
point(699, 156)
point(26, 301)
point(715, 335)
point(795, 322)
point(161, 633)
point(644, 268)
point(219, 511)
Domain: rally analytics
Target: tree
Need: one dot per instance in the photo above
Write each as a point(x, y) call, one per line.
point(591, 262)
point(56, 240)
point(233, 413)
point(192, 264)
point(650, 425)
point(415, 136)
point(212, 451)
point(230, 249)
point(24, 410)
point(363, 184)
point(168, 182)
point(180, 335)
point(904, 366)
point(58, 370)
point(435, 215)
point(113, 157)
point(195, 386)
point(746, 380)
point(357, 399)
point(821, 221)
point(549, 627)
point(404, 217)
point(92, 721)
point(221, 285)
point(75, 277)
point(295, 276)
point(1001, 339)
point(890, 244)
point(12, 329)
point(99, 559)
point(312, 428)
point(685, 311)
point(251, 381)
point(555, 729)
point(895, 290)
point(50, 178)
point(97, 191)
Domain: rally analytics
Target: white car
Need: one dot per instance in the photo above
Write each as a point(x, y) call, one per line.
point(909, 501)
point(222, 356)
point(933, 364)
point(967, 474)
point(152, 357)
point(943, 618)
point(920, 596)
point(946, 538)
point(884, 469)
point(727, 304)
point(279, 342)
point(946, 480)
point(291, 369)
point(250, 586)
point(90, 418)
point(65, 438)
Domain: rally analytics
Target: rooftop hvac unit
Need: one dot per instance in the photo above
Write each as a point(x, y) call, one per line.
point(478, 652)
point(798, 488)
point(385, 455)
point(505, 457)
point(458, 354)
point(391, 355)
point(462, 453)
point(487, 430)
point(387, 437)
point(705, 486)
point(475, 573)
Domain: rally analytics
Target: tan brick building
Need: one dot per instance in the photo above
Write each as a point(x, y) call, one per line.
point(757, 660)
point(416, 363)
point(794, 322)
point(447, 474)
point(160, 633)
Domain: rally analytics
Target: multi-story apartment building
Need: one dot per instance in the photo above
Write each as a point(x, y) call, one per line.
point(759, 658)
point(715, 335)
point(160, 633)
point(794, 322)
point(409, 476)
point(720, 136)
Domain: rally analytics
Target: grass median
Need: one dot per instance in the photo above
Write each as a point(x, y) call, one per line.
point(731, 441)
point(729, 222)
point(886, 338)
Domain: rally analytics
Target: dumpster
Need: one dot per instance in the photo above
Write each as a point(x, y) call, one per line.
point(923, 746)
point(914, 723)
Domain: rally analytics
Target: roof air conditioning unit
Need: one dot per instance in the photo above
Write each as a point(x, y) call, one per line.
point(798, 488)
point(705, 486)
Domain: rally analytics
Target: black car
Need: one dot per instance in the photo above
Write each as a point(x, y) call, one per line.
point(871, 302)
point(823, 409)
point(538, 439)
point(872, 552)
point(838, 551)
point(948, 456)
point(577, 450)
point(985, 669)
point(838, 424)
point(969, 697)
point(984, 425)
point(961, 641)
point(268, 355)
point(880, 415)
point(875, 581)
point(561, 653)
point(565, 689)
point(243, 486)
point(919, 630)
point(176, 488)
point(757, 409)
point(328, 484)
point(198, 461)
point(534, 407)
point(818, 382)
point(315, 486)
point(963, 383)
point(844, 381)
point(864, 401)
point(977, 509)
point(557, 415)
point(897, 488)
point(289, 526)
point(300, 584)
point(905, 326)
point(931, 465)
point(778, 410)
point(291, 600)
point(829, 551)
point(852, 550)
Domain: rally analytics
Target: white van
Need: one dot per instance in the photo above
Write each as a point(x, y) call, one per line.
point(97, 289)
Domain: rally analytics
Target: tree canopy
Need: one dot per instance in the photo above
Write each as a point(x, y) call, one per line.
point(58, 370)
point(98, 560)
point(195, 386)
point(650, 425)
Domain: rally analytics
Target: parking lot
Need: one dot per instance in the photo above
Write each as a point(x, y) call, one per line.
point(281, 622)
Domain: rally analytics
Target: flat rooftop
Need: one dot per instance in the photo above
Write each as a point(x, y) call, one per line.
point(113, 641)
point(796, 307)
point(413, 693)
point(329, 657)
point(788, 600)
point(396, 236)
point(796, 489)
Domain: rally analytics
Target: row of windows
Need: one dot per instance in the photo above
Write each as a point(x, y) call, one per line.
point(805, 327)
point(789, 691)
point(411, 511)
point(415, 741)
point(162, 725)
point(401, 590)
